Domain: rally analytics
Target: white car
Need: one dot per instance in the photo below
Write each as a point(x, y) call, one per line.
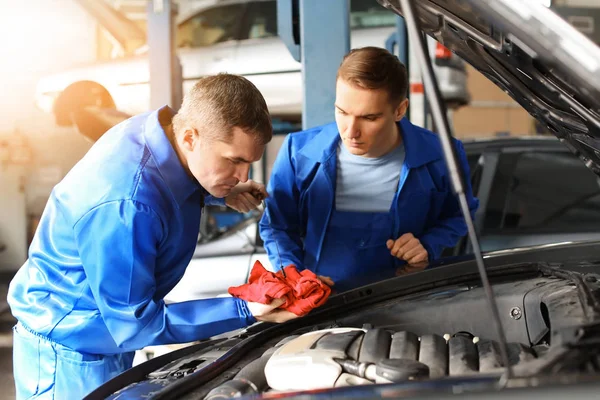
point(235, 36)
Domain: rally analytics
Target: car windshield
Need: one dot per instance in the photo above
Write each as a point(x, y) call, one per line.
point(211, 26)
point(543, 192)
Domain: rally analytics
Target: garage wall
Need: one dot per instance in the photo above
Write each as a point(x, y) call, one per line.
point(491, 111)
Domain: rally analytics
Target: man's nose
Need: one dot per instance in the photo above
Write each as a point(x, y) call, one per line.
point(352, 131)
point(241, 173)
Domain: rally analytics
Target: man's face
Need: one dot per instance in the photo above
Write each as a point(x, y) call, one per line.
point(366, 119)
point(219, 165)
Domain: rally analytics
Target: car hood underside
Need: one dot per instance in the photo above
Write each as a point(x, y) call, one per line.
point(549, 68)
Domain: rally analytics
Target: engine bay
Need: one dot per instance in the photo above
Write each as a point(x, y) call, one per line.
point(436, 334)
point(433, 335)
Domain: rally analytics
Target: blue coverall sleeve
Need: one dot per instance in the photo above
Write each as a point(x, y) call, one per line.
point(451, 225)
point(118, 244)
point(214, 201)
point(281, 220)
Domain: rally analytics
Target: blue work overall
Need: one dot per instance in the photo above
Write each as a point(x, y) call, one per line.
point(354, 252)
point(60, 379)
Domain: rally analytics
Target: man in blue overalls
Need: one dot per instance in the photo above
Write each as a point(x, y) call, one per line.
point(118, 233)
point(357, 200)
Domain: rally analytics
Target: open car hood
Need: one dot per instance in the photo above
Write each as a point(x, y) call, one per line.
point(546, 65)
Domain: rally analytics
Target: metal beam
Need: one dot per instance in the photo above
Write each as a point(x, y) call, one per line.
point(166, 87)
point(129, 36)
point(324, 41)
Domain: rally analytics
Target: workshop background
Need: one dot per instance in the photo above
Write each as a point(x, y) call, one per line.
point(39, 37)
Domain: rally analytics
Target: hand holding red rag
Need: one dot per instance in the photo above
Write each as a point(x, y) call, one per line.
point(270, 312)
point(303, 290)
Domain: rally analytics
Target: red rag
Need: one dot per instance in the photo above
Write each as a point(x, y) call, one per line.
point(308, 290)
point(263, 286)
point(303, 290)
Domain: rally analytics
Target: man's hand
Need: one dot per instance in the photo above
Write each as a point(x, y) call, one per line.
point(246, 197)
point(269, 312)
point(409, 248)
point(326, 280)
point(277, 316)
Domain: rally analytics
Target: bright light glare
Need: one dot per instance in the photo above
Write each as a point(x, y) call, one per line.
point(37, 37)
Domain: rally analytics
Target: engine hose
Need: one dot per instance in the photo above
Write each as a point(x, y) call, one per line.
point(386, 370)
point(250, 380)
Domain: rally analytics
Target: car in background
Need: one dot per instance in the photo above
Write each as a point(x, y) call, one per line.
point(234, 36)
point(532, 190)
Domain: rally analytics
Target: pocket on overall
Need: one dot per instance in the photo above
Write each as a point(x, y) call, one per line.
point(355, 245)
point(26, 362)
point(77, 374)
point(362, 230)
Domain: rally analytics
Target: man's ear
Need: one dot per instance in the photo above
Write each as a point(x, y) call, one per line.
point(190, 139)
point(401, 110)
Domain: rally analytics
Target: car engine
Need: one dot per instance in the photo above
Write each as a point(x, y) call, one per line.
point(341, 357)
point(444, 333)
point(420, 333)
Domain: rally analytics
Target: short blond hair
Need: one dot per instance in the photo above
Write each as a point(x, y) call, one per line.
point(216, 104)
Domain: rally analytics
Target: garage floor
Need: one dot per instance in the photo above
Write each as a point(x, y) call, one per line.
point(7, 386)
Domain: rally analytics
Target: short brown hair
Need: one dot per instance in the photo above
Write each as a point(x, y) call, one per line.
point(216, 104)
point(375, 68)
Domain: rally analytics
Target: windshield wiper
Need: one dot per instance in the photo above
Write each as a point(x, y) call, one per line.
point(432, 91)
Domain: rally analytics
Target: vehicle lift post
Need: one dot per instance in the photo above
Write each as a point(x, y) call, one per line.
point(166, 83)
point(317, 34)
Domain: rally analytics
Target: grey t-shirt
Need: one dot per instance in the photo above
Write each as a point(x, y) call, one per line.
point(367, 184)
